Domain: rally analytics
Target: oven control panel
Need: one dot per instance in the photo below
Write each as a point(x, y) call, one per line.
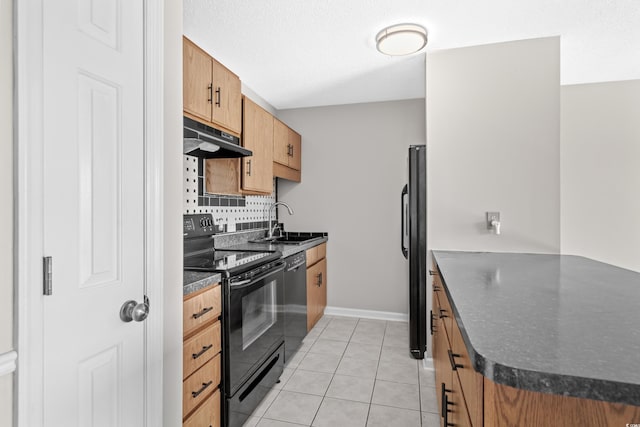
point(198, 225)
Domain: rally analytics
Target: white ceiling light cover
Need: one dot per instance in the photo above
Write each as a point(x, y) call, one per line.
point(401, 39)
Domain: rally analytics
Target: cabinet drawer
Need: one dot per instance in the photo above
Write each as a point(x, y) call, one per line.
point(471, 382)
point(459, 416)
point(316, 253)
point(208, 414)
point(312, 256)
point(200, 348)
point(445, 312)
point(200, 385)
point(200, 309)
point(322, 250)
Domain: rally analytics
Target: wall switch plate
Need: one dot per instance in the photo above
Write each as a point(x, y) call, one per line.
point(491, 216)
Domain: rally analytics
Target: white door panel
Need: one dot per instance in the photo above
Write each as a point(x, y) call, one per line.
point(93, 210)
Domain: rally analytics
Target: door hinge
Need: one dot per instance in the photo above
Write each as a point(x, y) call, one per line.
point(47, 275)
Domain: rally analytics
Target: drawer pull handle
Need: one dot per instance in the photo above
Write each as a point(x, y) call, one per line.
point(443, 313)
point(433, 273)
point(319, 282)
point(436, 288)
point(443, 399)
point(195, 394)
point(202, 313)
point(201, 352)
point(452, 360)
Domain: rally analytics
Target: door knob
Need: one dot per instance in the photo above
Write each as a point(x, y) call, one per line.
point(132, 310)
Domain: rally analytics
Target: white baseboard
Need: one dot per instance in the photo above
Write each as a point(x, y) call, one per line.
point(427, 363)
point(366, 314)
point(8, 362)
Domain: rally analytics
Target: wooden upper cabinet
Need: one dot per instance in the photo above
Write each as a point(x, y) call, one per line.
point(211, 93)
point(295, 140)
point(197, 69)
point(287, 152)
point(280, 142)
point(227, 98)
point(257, 136)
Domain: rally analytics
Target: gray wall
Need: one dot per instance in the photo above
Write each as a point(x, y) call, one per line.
point(494, 145)
point(353, 169)
point(172, 358)
point(6, 206)
point(600, 164)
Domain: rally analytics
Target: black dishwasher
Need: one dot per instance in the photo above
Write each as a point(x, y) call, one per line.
point(295, 303)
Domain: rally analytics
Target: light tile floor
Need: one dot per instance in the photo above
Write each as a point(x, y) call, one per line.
point(352, 373)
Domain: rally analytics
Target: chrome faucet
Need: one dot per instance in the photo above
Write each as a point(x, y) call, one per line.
point(273, 205)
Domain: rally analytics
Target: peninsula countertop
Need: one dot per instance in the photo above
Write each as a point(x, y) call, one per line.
point(557, 324)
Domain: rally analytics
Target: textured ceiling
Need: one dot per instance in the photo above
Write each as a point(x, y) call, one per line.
point(302, 53)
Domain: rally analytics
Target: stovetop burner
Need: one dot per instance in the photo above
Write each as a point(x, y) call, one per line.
point(200, 254)
point(229, 262)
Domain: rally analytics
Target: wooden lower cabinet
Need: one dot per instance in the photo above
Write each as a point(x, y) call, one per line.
point(476, 401)
point(316, 284)
point(201, 357)
point(207, 415)
point(508, 406)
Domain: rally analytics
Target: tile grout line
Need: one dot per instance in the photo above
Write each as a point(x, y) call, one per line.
point(376, 374)
point(334, 372)
point(282, 388)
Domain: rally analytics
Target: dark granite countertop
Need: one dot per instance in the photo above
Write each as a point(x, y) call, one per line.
point(195, 280)
point(556, 324)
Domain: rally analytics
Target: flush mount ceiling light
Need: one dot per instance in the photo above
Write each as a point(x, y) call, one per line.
point(401, 39)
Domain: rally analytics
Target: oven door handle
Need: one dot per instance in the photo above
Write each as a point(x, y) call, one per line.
point(248, 282)
point(241, 283)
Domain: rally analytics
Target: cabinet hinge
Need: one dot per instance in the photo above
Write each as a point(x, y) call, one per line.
point(47, 275)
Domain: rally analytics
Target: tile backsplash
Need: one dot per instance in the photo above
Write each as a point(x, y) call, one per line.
point(230, 213)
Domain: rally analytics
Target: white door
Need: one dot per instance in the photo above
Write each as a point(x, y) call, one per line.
point(93, 211)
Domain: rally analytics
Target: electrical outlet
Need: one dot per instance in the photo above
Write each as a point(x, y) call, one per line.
point(491, 216)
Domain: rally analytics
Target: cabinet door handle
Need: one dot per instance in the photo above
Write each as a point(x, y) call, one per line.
point(195, 394)
point(319, 276)
point(210, 90)
point(433, 273)
point(291, 150)
point(446, 403)
point(436, 288)
point(249, 167)
point(452, 360)
point(202, 313)
point(431, 321)
point(201, 352)
point(218, 96)
point(443, 313)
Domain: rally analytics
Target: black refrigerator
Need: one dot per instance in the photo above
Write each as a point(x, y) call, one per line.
point(414, 247)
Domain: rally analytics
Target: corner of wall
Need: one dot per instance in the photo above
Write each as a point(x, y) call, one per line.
point(172, 304)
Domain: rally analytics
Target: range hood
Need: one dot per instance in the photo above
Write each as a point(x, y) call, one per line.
point(206, 142)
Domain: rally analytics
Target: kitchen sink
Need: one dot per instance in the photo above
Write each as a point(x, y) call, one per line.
point(290, 239)
point(294, 240)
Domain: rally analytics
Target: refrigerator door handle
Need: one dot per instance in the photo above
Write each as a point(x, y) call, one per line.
point(403, 215)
